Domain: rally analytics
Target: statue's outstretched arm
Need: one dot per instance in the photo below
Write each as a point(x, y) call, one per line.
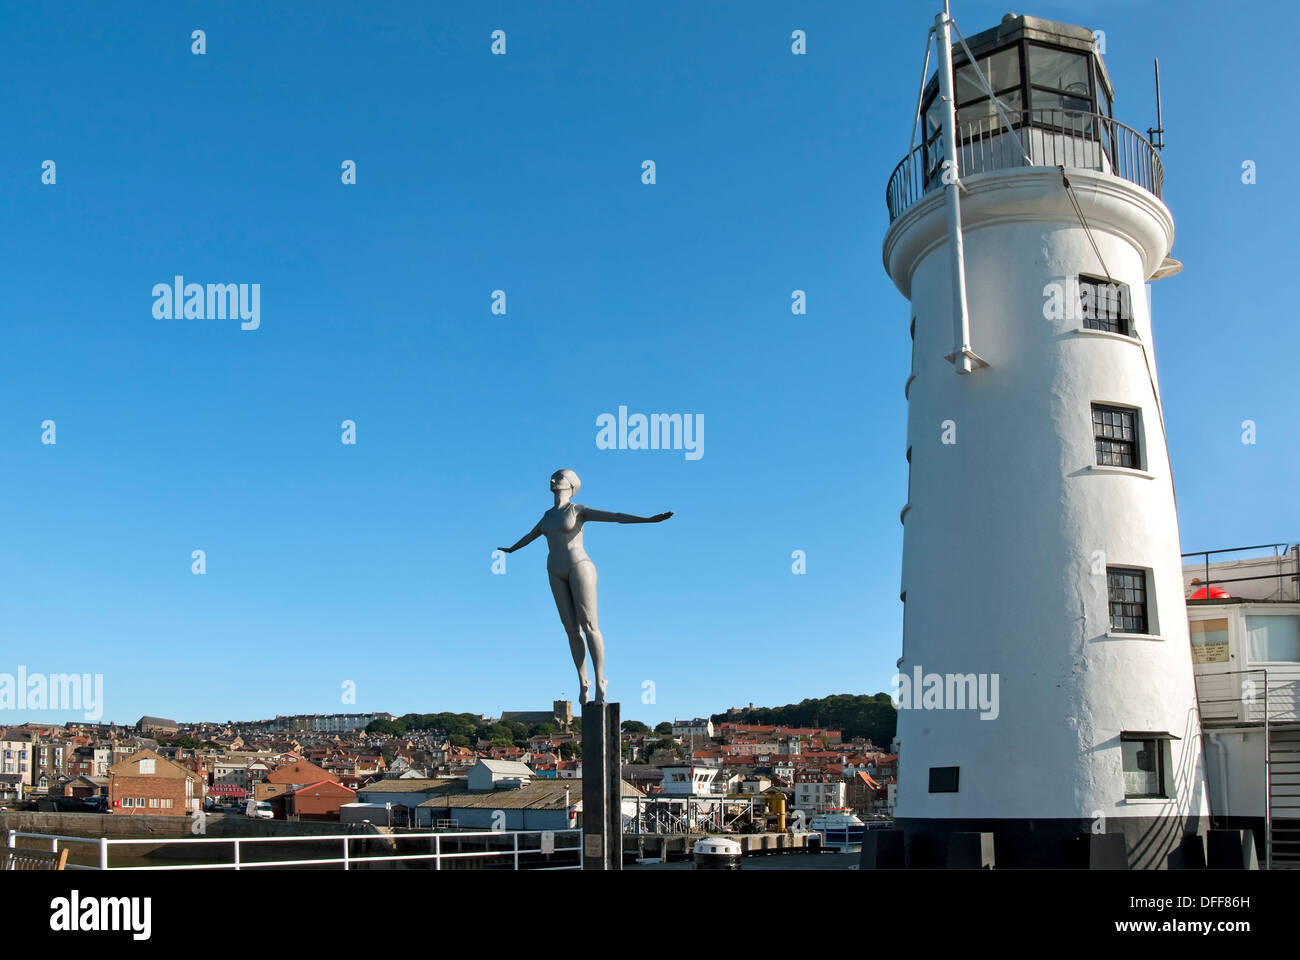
point(604, 516)
point(524, 541)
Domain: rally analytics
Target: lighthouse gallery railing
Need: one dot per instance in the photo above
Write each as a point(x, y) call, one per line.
point(1050, 138)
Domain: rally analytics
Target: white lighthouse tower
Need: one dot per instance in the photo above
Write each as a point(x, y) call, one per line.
point(1041, 559)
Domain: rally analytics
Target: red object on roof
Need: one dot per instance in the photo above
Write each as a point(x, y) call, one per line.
point(1214, 594)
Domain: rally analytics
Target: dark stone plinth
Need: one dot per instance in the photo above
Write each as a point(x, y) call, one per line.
point(1232, 850)
point(1190, 854)
point(881, 850)
point(970, 851)
point(1107, 851)
point(602, 788)
point(1153, 843)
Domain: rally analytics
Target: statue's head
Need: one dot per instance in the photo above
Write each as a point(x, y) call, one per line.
point(562, 479)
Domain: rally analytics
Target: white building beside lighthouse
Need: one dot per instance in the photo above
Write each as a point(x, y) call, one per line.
point(1041, 542)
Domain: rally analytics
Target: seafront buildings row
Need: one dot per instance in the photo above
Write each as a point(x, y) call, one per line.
point(159, 767)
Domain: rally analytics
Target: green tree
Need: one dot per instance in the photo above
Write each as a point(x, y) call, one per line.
point(543, 730)
point(633, 726)
point(664, 743)
point(855, 715)
point(665, 729)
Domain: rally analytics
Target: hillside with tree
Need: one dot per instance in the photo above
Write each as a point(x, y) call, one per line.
point(856, 715)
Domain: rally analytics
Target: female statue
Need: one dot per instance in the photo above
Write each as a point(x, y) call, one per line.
point(573, 575)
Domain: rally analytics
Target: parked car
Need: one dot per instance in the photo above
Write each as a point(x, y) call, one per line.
point(261, 809)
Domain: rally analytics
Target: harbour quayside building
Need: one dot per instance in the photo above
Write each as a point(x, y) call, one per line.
point(1041, 542)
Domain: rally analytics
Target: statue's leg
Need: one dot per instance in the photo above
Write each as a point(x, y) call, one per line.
point(569, 617)
point(582, 583)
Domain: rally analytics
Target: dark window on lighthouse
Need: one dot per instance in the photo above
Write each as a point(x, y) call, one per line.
point(1104, 305)
point(1146, 764)
point(944, 779)
point(1115, 429)
point(1127, 590)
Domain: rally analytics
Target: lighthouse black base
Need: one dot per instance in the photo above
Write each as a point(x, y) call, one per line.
point(1151, 843)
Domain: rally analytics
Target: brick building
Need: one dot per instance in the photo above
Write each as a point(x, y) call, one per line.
point(318, 801)
point(148, 784)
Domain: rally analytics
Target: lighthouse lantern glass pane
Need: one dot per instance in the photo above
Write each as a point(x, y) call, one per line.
point(1062, 102)
point(1059, 69)
point(985, 113)
point(1001, 70)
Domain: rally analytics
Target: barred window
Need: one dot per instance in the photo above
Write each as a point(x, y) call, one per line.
point(1115, 429)
point(1104, 305)
point(1127, 591)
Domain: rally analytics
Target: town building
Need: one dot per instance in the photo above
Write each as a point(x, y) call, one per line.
point(560, 715)
point(157, 727)
point(499, 774)
point(149, 784)
point(813, 796)
point(1244, 614)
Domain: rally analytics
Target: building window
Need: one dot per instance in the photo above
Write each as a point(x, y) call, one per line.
point(1273, 639)
point(1209, 640)
point(1105, 305)
point(1145, 764)
point(1127, 592)
point(1116, 432)
point(147, 766)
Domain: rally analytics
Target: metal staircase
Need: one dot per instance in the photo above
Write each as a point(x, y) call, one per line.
point(1284, 798)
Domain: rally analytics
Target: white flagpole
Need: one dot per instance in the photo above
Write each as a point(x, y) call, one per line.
point(962, 355)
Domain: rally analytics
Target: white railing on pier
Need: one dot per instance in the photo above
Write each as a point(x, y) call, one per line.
point(517, 853)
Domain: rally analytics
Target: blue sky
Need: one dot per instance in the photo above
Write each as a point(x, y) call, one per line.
point(371, 563)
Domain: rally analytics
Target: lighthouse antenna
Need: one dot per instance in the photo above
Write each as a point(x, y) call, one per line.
point(1157, 134)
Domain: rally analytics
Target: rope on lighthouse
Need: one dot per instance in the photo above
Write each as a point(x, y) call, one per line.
point(1074, 202)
